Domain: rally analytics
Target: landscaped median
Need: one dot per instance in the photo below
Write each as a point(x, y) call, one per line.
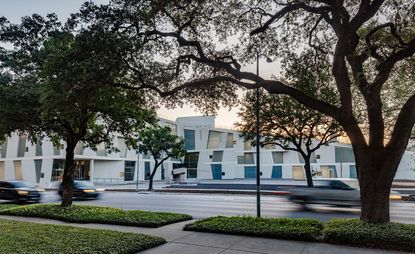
point(352, 232)
point(96, 214)
point(24, 237)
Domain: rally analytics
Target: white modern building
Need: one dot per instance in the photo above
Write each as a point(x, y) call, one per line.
point(212, 153)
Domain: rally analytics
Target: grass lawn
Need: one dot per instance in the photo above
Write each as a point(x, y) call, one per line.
point(96, 214)
point(5, 206)
point(23, 237)
point(352, 232)
point(282, 228)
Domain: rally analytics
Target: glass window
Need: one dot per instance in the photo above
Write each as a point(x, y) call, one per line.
point(38, 149)
point(189, 139)
point(190, 162)
point(217, 156)
point(214, 140)
point(278, 157)
point(129, 169)
point(229, 141)
point(79, 149)
point(57, 170)
point(344, 154)
point(147, 170)
point(122, 147)
point(38, 169)
point(247, 158)
point(101, 151)
point(22, 146)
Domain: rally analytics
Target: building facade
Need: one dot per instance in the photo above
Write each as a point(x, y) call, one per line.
point(212, 153)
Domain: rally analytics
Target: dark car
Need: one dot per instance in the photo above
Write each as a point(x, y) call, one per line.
point(19, 191)
point(82, 190)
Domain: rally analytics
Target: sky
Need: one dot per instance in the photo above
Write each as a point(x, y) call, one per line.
point(15, 9)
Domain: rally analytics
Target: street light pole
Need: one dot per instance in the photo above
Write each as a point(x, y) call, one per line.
point(258, 171)
point(138, 163)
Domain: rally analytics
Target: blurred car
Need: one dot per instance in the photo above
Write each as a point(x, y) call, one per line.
point(82, 190)
point(335, 192)
point(19, 191)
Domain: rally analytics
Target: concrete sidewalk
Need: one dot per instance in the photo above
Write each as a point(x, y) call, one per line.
point(188, 242)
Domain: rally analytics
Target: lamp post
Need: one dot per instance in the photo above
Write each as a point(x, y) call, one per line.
point(258, 146)
point(138, 161)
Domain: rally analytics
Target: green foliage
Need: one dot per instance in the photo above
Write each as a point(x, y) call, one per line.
point(23, 237)
point(393, 236)
point(161, 143)
point(5, 206)
point(97, 214)
point(283, 228)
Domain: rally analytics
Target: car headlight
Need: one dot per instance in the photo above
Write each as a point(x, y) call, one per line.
point(395, 197)
point(22, 192)
point(88, 191)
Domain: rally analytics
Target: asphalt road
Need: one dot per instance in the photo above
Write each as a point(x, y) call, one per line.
point(206, 205)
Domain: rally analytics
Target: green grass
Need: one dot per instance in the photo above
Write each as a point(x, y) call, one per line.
point(283, 228)
point(97, 214)
point(23, 237)
point(393, 236)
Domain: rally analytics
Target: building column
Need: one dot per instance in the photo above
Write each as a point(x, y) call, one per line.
point(91, 171)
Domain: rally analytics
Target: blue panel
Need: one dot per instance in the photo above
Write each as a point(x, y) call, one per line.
point(276, 172)
point(250, 172)
point(189, 139)
point(216, 171)
point(353, 172)
point(146, 170)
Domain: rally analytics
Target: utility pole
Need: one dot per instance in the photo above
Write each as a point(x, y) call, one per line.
point(138, 163)
point(258, 170)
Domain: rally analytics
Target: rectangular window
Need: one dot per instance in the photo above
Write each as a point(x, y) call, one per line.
point(22, 146)
point(56, 150)
point(79, 149)
point(247, 158)
point(122, 147)
point(229, 140)
point(38, 149)
point(147, 170)
point(57, 170)
point(278, 157)
point(146, 156)
point(298, 173)
point(1, 170)
point(217, 156)
point(18, 174)
point(189, 139)
point(214, 140)
point(344, 154)
point(38, 170)
point(101, 150)
point(129, 169)
point(328, 171)
point(190, 162)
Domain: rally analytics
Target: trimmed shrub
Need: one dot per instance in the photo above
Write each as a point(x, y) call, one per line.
point(282, 228)
point(97, 214)
point(353, 232)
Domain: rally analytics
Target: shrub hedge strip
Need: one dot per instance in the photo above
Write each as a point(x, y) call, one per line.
point(97, 214)
point(283, 228)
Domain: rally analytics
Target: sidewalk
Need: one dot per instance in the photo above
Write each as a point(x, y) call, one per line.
point(188, 242)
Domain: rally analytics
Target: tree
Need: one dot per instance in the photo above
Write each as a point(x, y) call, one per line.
point(288, 124)
point(162, 144)
point(368, 44)
point(70, 77)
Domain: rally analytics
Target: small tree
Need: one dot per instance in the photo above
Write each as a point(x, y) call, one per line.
point(289, 125)
point(162, 144)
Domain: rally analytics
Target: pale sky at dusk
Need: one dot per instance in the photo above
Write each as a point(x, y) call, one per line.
point(15, 9)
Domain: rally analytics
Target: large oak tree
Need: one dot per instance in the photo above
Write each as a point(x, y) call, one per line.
point(196, 50)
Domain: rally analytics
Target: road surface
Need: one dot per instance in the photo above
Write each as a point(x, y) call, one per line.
point(207, 205)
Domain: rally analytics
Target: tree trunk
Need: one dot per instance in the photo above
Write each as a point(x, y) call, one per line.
point(307, 169)
point(150, 180)
point(376, 170)
point(68, 173)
